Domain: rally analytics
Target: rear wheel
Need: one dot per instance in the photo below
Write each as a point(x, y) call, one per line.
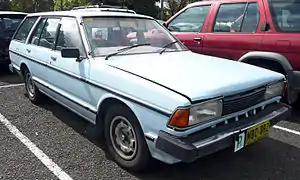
point(125, 140)
point(32, 91)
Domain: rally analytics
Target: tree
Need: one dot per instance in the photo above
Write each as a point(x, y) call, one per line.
point(69, 4)
point(32, 5)
point(146, 7)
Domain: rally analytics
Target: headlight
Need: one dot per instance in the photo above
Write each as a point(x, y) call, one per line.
point(273, 90)
point(196, 114)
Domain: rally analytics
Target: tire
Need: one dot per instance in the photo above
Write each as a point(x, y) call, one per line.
point(32, 91)
point(120, 123)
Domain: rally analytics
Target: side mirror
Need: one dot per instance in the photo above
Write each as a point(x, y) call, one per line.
point(70, 53)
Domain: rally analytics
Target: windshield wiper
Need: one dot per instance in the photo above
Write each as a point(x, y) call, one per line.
point(125, 49)
point(166, 46)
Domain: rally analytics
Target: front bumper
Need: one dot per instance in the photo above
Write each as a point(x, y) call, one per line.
point(188, 149)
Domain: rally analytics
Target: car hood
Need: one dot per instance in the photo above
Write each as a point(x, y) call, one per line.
point(194, 75)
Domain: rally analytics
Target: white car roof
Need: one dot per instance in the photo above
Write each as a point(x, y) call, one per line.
point(76, 13)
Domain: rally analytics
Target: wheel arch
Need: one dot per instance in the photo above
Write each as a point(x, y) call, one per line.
point(267, 57)
point(23, 67)
point(108, 101)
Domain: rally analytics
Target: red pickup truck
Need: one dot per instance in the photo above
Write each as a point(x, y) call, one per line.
point(264, 33)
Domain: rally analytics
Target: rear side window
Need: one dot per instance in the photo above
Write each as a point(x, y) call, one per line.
point(35, 38)
point(25, 28)
point(285, 15)
point(191, 20)
point(237, 17)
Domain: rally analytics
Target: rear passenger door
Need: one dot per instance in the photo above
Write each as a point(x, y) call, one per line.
point(39, 47)
point(235, 30)
point(188, 26)
point(68, 75)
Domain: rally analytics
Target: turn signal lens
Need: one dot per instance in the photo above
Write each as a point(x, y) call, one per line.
point(180, 118)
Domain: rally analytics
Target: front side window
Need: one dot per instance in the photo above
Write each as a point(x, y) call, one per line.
point(25, 28)
point(285, 15)
point(69, 36)
point(47, 37)
point(191, 20)
point(108, 35)
point(237, 17)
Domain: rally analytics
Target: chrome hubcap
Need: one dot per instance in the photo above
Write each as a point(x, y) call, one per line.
point(123, 138)
point(29, 85)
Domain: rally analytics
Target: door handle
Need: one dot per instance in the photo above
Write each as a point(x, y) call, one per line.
point(197, 39)
point(53, 58)
point(28, 50)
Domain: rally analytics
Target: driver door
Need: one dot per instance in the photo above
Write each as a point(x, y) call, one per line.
point(68, 74)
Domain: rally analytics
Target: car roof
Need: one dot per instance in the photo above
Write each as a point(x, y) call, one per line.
point(212, 1)
point(12, 12)
point(76, 13)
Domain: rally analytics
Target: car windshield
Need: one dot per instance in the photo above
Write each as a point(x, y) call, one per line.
point(108, 35)
point(286, 15)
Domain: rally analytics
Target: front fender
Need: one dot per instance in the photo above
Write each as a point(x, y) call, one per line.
point(108, 96)
point(151, 122)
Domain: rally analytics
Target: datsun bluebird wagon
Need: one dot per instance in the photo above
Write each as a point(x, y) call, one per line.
point(150, 97)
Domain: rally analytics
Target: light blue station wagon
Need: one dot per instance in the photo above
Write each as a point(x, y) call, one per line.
point(148, 95)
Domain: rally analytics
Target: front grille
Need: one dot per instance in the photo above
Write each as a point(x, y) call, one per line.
point(242, 101)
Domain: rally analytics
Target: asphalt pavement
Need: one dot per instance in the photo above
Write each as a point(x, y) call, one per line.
point(57, 135)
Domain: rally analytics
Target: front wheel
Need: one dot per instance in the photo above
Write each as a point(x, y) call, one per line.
point(125, 140)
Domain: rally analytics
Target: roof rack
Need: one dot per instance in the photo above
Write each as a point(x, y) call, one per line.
point(100, 6)
point(103, 7)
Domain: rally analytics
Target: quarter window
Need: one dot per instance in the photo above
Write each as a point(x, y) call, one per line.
point(25, 28)
point(191, 20)
point(47, 37)
point(238, 17)
point(69, 35)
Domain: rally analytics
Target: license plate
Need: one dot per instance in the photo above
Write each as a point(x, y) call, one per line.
point(251, 135)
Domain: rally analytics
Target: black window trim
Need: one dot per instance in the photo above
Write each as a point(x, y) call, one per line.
point(210, 9)
point(246, 7)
